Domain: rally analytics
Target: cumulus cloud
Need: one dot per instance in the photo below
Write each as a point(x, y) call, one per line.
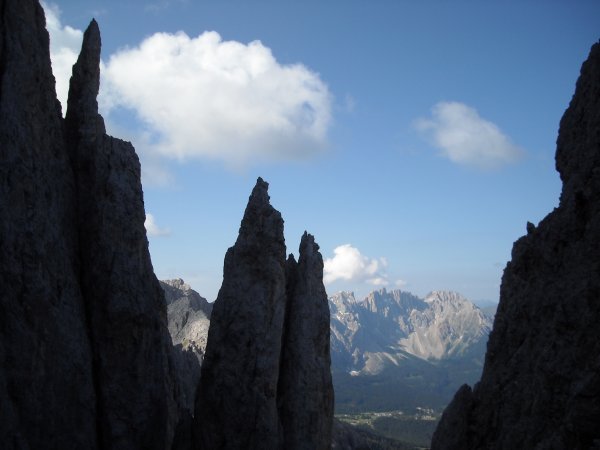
point(153, 229)
point(204, 97)
point(224, 100)
point(65, 45)
point(466, 138)
point(349, 264)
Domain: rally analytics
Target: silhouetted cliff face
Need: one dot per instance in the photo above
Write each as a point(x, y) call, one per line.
point(124, 301)
point(247, 384)
point(47, 395)
point(305, 395)
point(540, 386)
point(85, 355)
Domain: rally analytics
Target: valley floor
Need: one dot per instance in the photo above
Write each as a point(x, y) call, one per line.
point(413, 429)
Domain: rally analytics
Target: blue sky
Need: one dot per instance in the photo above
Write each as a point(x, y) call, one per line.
point(413, 139)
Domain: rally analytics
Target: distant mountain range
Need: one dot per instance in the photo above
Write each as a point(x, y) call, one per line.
point(396, 351)
point(390, 351)
point(389, 328)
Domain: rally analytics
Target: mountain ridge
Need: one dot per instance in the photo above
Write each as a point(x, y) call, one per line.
point(386, 326)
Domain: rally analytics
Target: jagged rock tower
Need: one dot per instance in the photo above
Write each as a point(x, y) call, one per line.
point(85, 355)
point(266, 380)
point(540, 387)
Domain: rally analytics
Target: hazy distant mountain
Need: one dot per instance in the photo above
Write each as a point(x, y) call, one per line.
point(389, 328)
point(188, 316)
point(396, 351)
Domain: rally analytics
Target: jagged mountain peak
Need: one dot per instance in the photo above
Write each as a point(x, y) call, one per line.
point(445, 296)
point(395, 301)
point(387, 326)
point(261, 224)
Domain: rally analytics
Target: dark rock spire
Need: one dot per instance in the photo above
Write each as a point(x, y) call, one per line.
point(125, 306)
point(237, 403)
point(305, 385)
point(82, 104)
point(266, 381)
point(540, 386)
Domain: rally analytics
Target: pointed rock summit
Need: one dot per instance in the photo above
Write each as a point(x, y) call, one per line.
point(237, 403)
point(269, 317)
point(540, 387)
point(305, 392)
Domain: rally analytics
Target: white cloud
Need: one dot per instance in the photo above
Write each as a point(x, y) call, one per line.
point(153, 229)
point(466, 138)
point(401, 283)
point(203, 97)
point(350, 265)
point(224, 100)
point(65, 45)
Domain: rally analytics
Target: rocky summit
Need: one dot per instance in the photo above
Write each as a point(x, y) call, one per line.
point(540, 387)
point(188, 316)
point(85, 356)
point(266, 380)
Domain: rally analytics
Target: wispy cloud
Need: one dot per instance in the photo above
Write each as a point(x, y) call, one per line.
point(160, 5)
point(153, 229)
point(65, 45)
point(349, 264)
point(466, 138)
point(401, 283)
point(204, 97)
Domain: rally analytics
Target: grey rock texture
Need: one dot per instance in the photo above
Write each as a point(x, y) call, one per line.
point(540, 387)
point(85, 356)
point(188, 316)
point(252, 342)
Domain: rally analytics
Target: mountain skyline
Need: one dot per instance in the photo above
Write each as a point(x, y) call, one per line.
point(414, 141)
point(389, 350)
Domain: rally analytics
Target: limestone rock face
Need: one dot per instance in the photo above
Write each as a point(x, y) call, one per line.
point(254, 341)
point(188, 315)
point(381, 331)
point(85, 356)
point(540, 387)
